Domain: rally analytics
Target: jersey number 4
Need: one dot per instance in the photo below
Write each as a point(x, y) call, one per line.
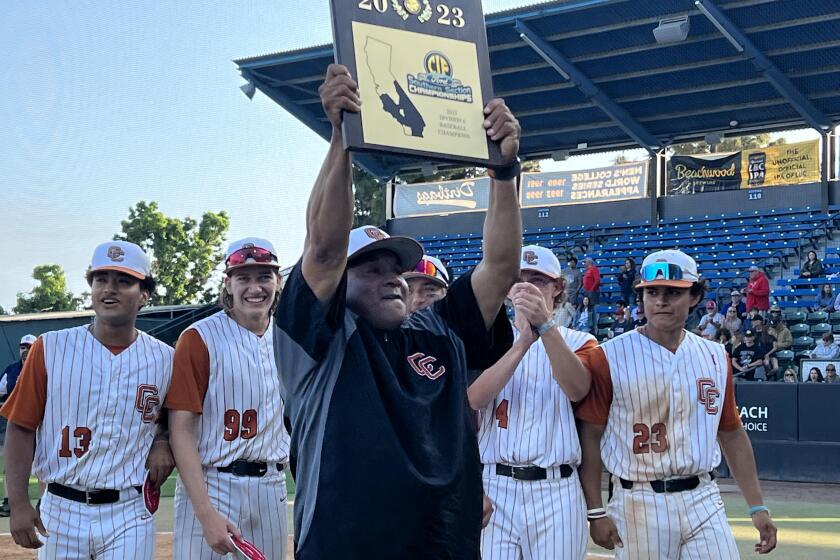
point(650, 439)
point(240, 425)
point(81, 435)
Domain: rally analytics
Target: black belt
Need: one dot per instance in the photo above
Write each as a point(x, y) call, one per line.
point(247, 468)
point(668, 486)
point(531, 472)
point(93, 498)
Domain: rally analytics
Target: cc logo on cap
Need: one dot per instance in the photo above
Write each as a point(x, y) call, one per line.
point(530, 257)
point(375, 233)
point(115, 253)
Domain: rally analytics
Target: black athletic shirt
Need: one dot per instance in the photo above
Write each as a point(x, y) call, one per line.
point(387, 458)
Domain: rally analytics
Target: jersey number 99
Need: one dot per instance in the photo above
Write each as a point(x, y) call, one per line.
point(240, 425)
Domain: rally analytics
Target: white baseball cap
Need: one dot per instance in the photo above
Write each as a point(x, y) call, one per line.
point(540, 259)
point(429, 267)
point(121, 256)
point(670, 267)
point(250, 251)
point(28, 339)
point(366, 239)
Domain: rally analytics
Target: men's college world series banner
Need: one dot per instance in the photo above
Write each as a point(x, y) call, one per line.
point(553, 188)
point(423, 71)
point(443, 197)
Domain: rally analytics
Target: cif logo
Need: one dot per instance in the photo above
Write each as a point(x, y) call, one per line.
point(437, 63)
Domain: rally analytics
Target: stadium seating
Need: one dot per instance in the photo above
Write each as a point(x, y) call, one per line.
point(724, 245)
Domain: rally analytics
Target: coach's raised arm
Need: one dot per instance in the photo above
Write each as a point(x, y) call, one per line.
point(329, 215)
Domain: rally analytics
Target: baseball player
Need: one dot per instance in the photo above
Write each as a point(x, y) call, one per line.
point(662, 411)
point(427, 283)
point(83, 416)
point(527, 436)
point(7, 385)
point(226, 417)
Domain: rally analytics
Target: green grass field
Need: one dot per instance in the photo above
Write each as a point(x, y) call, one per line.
point(809, 529)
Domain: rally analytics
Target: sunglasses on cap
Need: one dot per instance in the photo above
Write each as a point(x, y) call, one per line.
point(427, 267)
point(661, 271)
point(256, 254)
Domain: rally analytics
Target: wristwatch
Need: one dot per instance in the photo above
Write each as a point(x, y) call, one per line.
point(547, 326)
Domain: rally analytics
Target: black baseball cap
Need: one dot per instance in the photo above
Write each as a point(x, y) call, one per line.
point(748, 333)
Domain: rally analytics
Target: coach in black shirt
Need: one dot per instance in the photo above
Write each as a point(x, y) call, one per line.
point(387, 461)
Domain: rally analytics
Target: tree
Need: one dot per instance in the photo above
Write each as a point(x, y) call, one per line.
point(3, 310)
point(368, 199)
point(728, 144)
point(51, 293)
point(185, 253)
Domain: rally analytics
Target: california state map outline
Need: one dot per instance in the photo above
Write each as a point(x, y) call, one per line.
point(402, 109)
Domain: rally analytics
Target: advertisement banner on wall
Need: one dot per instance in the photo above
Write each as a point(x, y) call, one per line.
point(443, 197)
point(554, 188)
point(768, 410)
point(707, 173)
point(788, 164)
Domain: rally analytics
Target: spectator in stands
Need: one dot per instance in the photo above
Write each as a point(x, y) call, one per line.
point(775, 312)
point(767, 342)
point(758, 290)
point(731, 321)
point(778, 329)
point(748, 359)
point(736, 340)
point(711, 321)
point(812, 267)
point(831, 374)
point(724, 337)
point(815, 376)
point(585, 316)
point(592, 281)
point(694, 318)
point(790, 375)
point(836, 305)
point(737, 302)
point(571, 274)
point(638, 314)
point(627, 278)
point(825, 300)
point(622, 324)
point(565, 312)
point(827, 350)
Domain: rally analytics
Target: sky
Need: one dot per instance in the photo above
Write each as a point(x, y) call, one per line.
point(105, 104)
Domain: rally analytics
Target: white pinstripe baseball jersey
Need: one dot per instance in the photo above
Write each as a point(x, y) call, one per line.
point(530, 422)
point(99, 407)
point(242, 408)
point(664, 408)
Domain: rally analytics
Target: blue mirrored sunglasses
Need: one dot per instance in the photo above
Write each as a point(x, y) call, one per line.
point(661, 271)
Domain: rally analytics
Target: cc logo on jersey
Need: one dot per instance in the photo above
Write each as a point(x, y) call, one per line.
point(708, 394)
point(424, 365)
point(147, 402)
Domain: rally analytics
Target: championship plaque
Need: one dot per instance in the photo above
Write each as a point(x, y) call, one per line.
point(423, 71)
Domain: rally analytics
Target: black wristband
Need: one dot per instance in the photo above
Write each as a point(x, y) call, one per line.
point(507, 173)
